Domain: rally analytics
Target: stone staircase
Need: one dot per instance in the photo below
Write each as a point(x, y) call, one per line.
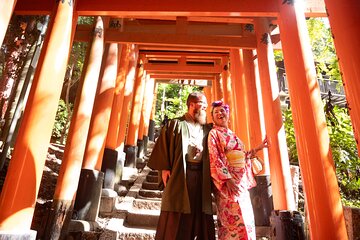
point(132, 214)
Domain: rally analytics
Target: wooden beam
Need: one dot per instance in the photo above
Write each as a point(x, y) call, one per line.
point(190, 28)
point(173, 8)
point(248, 42)
point(193, 82)
point(188, 55)
point(182, 48)
point(182, 76)
point(157, 68)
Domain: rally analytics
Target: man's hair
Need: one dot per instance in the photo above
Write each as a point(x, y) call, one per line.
point(193, 97)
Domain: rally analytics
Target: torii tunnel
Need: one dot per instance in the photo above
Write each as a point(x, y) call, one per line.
point(227, 43)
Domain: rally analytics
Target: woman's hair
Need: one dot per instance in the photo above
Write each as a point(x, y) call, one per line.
point(220, 103)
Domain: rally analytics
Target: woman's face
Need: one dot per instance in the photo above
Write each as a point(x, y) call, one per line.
point(220, 117)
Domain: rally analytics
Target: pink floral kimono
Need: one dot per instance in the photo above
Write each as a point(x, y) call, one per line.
point(228, 160)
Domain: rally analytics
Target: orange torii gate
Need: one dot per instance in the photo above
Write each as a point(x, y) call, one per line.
point(325, 215)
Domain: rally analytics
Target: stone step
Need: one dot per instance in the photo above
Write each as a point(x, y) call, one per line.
point(145, 204)
point(115, 229)
point(150, 185)
point(142, 218)
point(154, 173)
point(152, 178)
point(151, 194)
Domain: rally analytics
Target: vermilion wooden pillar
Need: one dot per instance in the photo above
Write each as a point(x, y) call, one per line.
point(91, 179)
point(113, 130)
point(283, 195)
point(344, 20)
point(254, 106)
point(69, 173)
point(239, 91)
point(140, 136)
point(129, 86)
point(207, 92)
point(19, 193)
point(149, 105)
point(322, 196)
point(99, 122)
point(218, 88)
point(151, 129)
point(133, 128)
point(6, 11)
point(145, 112)
point(226, 84)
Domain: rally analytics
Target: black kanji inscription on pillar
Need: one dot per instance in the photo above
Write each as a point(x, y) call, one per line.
point(249, 27)
point(290, 2)
point(98, 32)
point(70, 2)
point(265, 38)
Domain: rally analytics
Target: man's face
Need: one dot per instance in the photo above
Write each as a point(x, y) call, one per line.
point(199, 110)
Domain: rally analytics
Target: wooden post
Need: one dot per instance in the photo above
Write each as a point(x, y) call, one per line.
point(113, 130)
point(207, 92)
point(140, 135)
point(99, 122)
point(69, 173)
point(149, 104)
point(323, 202)
point(129, 86)
point(226, 84)
point(133, 128)
point(19, 193)
point(151, 133)
point(6, 11)
point(239, 90)
point(344, 22)
point(279, 164)
point(254, 104)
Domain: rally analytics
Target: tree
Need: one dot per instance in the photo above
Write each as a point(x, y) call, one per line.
point(173, 101)
point(344, 151)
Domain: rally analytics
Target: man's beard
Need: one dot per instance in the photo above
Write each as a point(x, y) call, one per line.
point(200, 116)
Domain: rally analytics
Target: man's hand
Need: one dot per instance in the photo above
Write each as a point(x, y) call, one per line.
point(165, 174)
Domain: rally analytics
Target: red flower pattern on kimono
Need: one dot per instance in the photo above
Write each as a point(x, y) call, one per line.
point(235, 213)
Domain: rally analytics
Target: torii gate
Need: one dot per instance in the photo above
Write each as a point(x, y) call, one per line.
point(17, 199)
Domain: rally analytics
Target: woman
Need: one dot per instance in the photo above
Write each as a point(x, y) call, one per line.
point(231, 173)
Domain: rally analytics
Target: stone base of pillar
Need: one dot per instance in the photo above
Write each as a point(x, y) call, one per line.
point(58, 219)
point(130, 158)
point(107, 203)
point(152, 130)
point(111, 159)
point(352, 219)
point(89, 191)
point(146, 141)
point(82, 226)
point(141, 147)
point(262, 200)
point(287, 225)
point(16, 234)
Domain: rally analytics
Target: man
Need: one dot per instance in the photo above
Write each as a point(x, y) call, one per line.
point(181, 154)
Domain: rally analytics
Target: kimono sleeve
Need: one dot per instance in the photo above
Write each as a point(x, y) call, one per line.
point(218, 163)
point(160, 156)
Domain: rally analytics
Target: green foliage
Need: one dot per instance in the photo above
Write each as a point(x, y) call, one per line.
point(174, 103)
point(323, 48)
point(61, 121)
point(343, 148)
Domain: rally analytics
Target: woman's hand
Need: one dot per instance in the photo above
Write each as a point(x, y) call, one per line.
point(264, 144)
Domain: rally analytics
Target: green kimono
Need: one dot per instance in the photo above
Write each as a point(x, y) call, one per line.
point(168, 155)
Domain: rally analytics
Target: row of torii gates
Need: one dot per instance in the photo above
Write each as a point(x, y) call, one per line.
point(186, 40)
